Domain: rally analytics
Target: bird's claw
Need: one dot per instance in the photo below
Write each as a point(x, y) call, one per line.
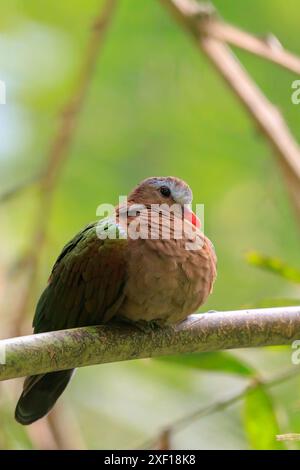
point(146, 326)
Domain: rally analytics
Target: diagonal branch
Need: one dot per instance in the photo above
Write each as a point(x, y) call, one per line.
point(21, 187)
point(212, 25)
point(67, 349)
point(226, 402)
point(268, 48)
point(200, 21)
point(57, 156)
point(48, 432)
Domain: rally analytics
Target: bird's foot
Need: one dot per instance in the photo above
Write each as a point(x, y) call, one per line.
point(142, 325)
point(146, 326)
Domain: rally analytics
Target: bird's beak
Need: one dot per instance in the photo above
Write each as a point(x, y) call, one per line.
point(191, 217)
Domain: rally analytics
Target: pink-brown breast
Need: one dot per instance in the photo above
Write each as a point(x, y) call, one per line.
point(166, 281)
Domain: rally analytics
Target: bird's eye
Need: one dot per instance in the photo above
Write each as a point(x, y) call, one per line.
point(165, 191)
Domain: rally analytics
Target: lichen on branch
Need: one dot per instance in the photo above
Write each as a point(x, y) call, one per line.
point(78, 347)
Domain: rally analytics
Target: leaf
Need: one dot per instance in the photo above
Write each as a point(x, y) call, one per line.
point(260, 420)
point(218, 361)
point(273, 265)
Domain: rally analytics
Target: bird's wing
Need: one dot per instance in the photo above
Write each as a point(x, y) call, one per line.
point(86, 283)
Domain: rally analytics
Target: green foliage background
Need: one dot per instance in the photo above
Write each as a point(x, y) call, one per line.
point(155, 107)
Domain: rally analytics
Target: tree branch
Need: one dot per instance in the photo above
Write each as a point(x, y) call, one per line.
point(67, 349)
point(268, 48)
point(48, 432)
point(57, 156)
point(211, 35)
point(20, 187)
point(223, 404)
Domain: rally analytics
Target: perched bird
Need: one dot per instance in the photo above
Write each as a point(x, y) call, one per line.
point(150, 278)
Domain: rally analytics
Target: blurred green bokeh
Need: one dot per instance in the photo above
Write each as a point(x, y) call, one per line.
point(155, 107)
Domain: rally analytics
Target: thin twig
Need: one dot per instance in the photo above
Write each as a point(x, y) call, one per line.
point(163, 442)
point(57, 156)
point(268, 48)
point(19, 188)
point(197, 21)
point(291, 436)
point(228, 401)
point(224, 403)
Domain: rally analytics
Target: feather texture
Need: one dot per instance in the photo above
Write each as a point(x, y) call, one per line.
point(154, 277)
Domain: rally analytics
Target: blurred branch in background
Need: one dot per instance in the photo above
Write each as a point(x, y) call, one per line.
point(268, 47)
point(20, 187)
point(47, 181)
point(60, 430)
point(212, 36)
point(57, 157)
point(292, 436)
point(220, 405)
point(78, 347)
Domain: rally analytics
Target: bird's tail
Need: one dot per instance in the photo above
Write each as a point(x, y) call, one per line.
point(40, 394)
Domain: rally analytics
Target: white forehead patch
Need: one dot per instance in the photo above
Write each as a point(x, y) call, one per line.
point(180, 192)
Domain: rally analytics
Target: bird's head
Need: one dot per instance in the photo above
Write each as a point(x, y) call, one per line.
point(165, 190)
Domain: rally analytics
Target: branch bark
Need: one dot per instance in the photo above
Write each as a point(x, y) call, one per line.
point(67, 349)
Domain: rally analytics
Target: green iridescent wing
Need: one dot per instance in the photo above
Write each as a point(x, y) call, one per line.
point(86, 283)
